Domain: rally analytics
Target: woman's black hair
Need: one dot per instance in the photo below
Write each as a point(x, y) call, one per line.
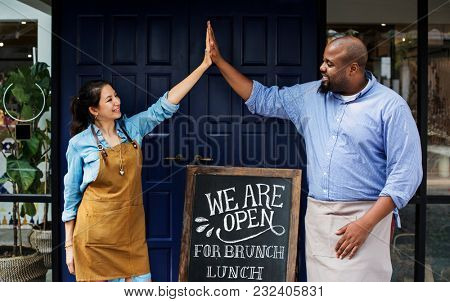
point(88, 96)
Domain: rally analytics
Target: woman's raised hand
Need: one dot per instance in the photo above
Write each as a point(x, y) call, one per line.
point(214, 52)
point(207, 58)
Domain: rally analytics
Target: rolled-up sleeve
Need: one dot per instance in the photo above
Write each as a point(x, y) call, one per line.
point(285, 102)
point(72, 183)
point(147, 120)
point(403, 156)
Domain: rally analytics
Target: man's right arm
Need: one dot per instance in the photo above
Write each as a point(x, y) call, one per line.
point(266, 101)
point(241, 84)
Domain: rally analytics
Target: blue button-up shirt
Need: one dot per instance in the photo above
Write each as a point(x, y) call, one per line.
point(356, 150)
point(83, 156)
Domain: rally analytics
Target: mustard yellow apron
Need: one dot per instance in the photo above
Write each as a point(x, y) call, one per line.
point(109, 236)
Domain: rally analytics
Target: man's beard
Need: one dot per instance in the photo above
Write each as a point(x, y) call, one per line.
point(331, 86)
point(324, 87)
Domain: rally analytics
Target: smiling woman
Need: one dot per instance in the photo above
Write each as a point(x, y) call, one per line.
point(103, 210)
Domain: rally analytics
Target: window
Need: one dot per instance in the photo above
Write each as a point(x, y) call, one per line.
point(25, 133)
point(438, 155)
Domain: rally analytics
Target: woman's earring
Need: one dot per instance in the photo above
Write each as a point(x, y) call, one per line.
point(96, 116)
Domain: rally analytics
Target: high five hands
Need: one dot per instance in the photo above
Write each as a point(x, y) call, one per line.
point(207, 58)
point(213, 46)
point(212, 52)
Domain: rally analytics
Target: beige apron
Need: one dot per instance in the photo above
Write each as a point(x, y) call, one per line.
point(372, 262)
point(109, 236)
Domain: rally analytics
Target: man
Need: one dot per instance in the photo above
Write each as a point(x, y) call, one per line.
point(364, 158)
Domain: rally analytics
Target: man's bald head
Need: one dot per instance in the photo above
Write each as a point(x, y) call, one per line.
point(353, 49)
point(343, 67)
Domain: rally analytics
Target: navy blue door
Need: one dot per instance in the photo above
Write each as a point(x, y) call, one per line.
point(146, 47)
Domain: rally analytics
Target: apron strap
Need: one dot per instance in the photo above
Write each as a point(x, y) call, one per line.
point(122, 126)
point(99, 145)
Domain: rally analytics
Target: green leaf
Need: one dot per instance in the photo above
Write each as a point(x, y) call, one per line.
point(32, 145)
point(41, 136)
point(44, 83)
point(38, 186)
point(27, 112)
point(21, 172)
point(39, 68)
point(30, 209)
point(4, 179)
point(20, 94)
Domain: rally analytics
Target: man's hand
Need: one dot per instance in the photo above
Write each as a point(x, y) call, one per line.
point(213, 46)
point(355, 234)
point(353, 237)
point(241, 84)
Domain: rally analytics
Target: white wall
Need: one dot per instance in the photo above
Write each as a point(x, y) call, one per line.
point(12, 10)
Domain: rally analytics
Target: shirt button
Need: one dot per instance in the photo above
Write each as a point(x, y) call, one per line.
point(338, 119)
point(328, 153)
point(324, 191)
point(325, 173)
point(333, 137)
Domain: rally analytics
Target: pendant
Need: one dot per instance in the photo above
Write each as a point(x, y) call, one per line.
point(121, 172)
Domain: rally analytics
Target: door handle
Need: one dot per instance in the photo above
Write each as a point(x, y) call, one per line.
point(177, 157)
point(201, 158)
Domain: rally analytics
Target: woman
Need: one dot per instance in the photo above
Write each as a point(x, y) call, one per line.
point(103, 211)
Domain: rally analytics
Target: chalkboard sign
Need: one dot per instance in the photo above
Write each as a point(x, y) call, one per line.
point(240, 224)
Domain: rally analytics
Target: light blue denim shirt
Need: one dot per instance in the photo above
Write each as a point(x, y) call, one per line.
point(356, 150)
point(83, 156)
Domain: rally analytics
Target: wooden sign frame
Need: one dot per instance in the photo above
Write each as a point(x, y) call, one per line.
point(192, 171)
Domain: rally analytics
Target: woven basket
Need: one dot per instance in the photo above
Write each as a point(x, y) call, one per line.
point(22, 268)
point(42, 241)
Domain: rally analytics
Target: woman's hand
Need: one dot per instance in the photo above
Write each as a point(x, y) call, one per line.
point(214, 52)
point(179, 91)
point(69, 260)
point(207, 58)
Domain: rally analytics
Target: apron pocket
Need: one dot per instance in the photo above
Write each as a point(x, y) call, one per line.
point(323, 236)
point(109, 228)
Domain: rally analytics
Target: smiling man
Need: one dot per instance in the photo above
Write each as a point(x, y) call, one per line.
point(364, 158)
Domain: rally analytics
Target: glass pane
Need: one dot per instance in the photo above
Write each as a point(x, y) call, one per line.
point(389, 31)
point(25, 100)
point(29, 233)
point(438, 155)
point(403, 245)
point(437, 256)
point(25, 54)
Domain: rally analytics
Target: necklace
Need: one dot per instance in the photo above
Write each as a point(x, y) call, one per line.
point(103, 151)
point(121, 170)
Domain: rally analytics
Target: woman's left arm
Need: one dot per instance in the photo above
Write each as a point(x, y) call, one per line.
point(177, 93)
point(168, 103)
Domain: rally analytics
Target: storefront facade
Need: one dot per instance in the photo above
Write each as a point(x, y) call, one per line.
point(144, 48)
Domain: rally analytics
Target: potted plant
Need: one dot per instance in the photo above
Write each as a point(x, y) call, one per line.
point(27, 92)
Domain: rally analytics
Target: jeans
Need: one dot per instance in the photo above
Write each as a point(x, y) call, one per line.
point(141, 278)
